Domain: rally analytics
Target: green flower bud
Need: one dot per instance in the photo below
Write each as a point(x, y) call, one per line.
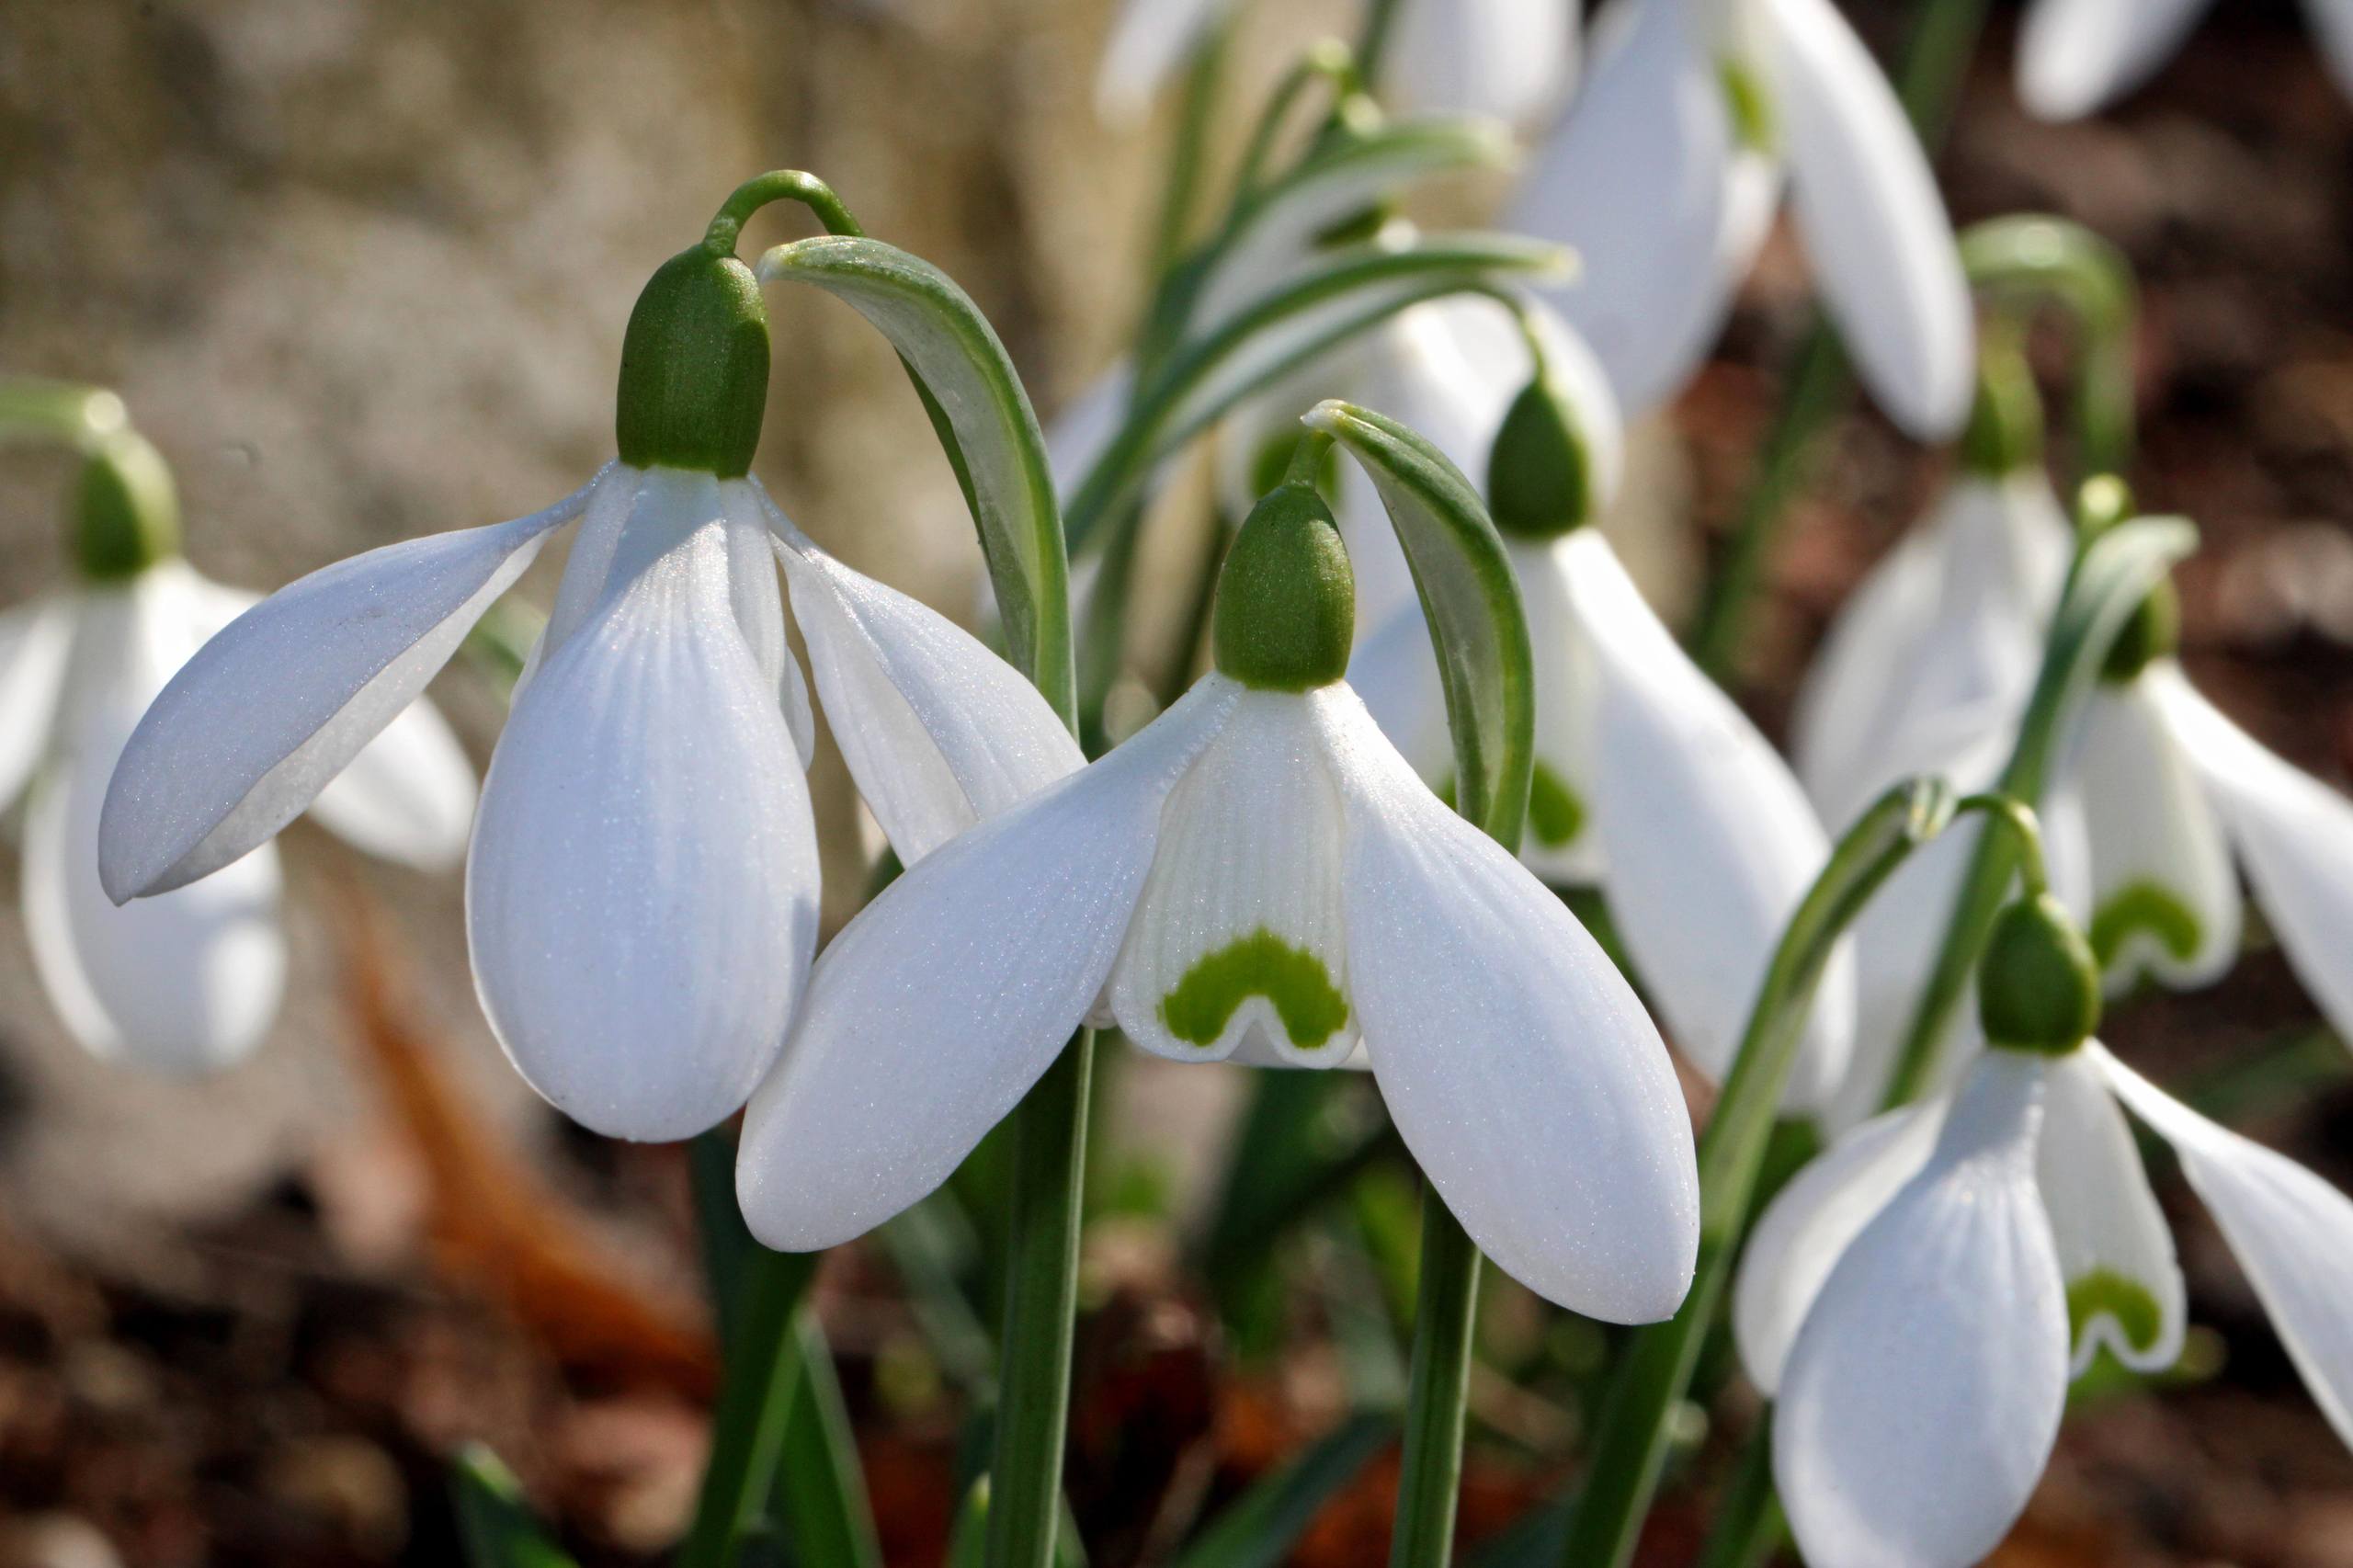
point(1286, 597)
point(2004, 432)
point(694, 382)
point(127, 515)
point(2153, 633)
point(1539, 483)
point(2038, 985)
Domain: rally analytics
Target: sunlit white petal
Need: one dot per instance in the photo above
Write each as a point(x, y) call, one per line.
point(33, 642)
point(1511, 59)
point(2124, 1288)
point(2075, 56)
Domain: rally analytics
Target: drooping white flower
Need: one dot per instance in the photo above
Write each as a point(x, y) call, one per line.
point(2078, 56)
point(642, 886)
point(1666, 171)
point(1649, 781)
point(1258, 874)
point(190, 981)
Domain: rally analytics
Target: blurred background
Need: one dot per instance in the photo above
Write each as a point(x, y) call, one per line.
point(361, 271)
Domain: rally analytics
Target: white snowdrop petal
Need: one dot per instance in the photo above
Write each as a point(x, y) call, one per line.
point(185, 982)
point(586, 568)
point(2076, 56)
point(2293, 835)
point(1643, 176)
point(938, 732)
point(256, 724)
point(1148, 40)
point(1875, 229)
point(408, 796)
point(1896, 938)
point(2290, 1231)
point(642, 893)
point(2124, 1288)
point(1811, 1222)
point(2165, 898)
point(34, 639)
point(1562, 842)
point(934, 1011)
point(1509, 58)
point(1239, 928)
point(1522, 1071)
point(1394, 672)
point(2332, 23)
point(1710, 842)
point(1921, 1397)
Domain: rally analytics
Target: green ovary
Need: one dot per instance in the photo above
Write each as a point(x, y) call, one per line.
point(2127, 1301)
point(1260, 964)
point(2143, 907)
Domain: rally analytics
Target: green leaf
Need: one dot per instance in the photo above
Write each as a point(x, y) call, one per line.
point(494, 1521)
point(982, 418)
point(820, 1503)
point(1472, 600)
point(1259, 1527)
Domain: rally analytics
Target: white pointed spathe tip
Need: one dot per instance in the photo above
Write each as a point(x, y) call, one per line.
point(1875, 229)
point(1920, 1401)
point(2124, 1288)
point(256, 724)
point(1525, 1076)
point(2290, 1231)
point(938, 732)
point(943, 1001)
point(642, 893)
point(1710, 842)
point(2078, 56)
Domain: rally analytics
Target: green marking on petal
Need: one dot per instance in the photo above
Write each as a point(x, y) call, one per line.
point(2145, 906)
point(1261, 964)
point(1555, 812)
point(2103, 1292)
point(1750, 104)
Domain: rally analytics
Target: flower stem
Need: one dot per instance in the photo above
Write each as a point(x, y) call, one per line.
point(1438, 1385)
point(1749, 1524)
point(57, 410)
point(755, 1401)
point(1944, 37)
point(1655, 1369)
point(1041, 1296)
point(777, 185)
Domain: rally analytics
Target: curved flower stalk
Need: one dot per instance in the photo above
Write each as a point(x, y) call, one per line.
point(1649, 780)
point(1667, 171)
point(642, 886)
point(1511, 60)
point(1256, 875)
point(2075, 57)
point(1917, 1300)
point(190, 981)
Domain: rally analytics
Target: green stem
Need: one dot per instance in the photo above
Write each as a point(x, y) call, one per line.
point(1749, 1525)
point(2026, 261)
point(777, 185)
point(57, 410)
point(754, 1402)
point(1944, 37)
point(1372, 44)
point(1438, 1387)
point(1188, 158)
point(1655, 1370)
point(1041, 1297)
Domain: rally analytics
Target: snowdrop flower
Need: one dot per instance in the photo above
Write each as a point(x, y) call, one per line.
point(1917, 1300)
point(1666, 173)
point(1258, 874)
point(2078, 56)
point(642, 887)
point(190, 981)
point(1649, 780)
point(1509, 58)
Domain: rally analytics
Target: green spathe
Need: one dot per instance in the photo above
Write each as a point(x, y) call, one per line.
point(2038, 986)
point(1539, 481)
point(2153, 633)
point(1286, 598)
point(127, 515)
point(694, 382)
point(1261, 964)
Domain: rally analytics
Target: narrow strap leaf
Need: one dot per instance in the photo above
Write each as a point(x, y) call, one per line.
point(494, 1521)
point(1259, 1527)
point(1477, 623)
point(820, 1504)
point(981, 414)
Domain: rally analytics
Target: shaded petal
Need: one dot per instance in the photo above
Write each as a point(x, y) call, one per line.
point(1517, 1063)
point(2293, 833)
point(185, 982)
point(937, 1007)
point(34, 640)
point(2164, 899)
point(1643, 179)
point(1896, 938)
point(1875, 229)
point(2124, 1288)
point(257, 723)
point(1238, 930)
point(1148, 40)
point(1562, 842)
point(1394, 672)
point(1509, 58)
point(2332, 23)
point(937, 730)
point(1710, 842)
point(2076, 56)
point(641, 894)
point(1083, 428)
point(2292, 1233)
point(1920, 1401)
point(1812, 1222)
